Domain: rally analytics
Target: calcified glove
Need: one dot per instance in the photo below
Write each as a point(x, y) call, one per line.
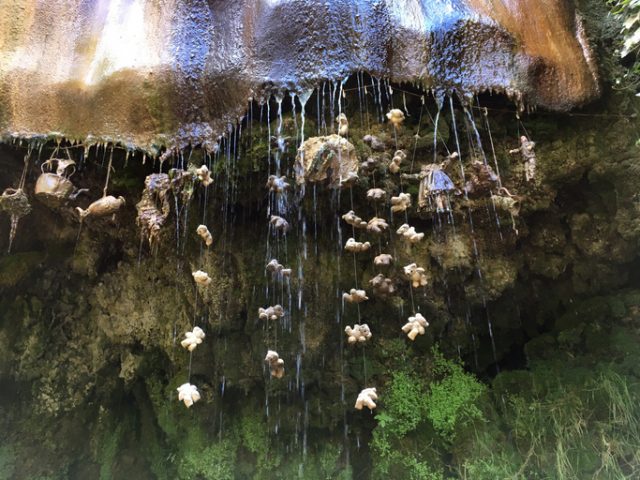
point(277, 184)
point(366, 399)
point(205, 234)
point(193, 339)
point(396, 161)
point(201, 278)
point(355, 296)
point(276, 364)
point(188, 394)
point(277, 268)
point(356, 247)
point(383, 260)
point(416, 275)
point(415, 326)
point(352, 219)
point(358, 334)
point(396, 117)
point(376, 194)
point(204, 176)
point(400, 203)
point(279, 223)
point(409, 233)
point(271, 313)
point(382, 286)
point(377, 225)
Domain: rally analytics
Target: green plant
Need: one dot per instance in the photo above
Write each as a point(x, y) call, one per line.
point(628, 11)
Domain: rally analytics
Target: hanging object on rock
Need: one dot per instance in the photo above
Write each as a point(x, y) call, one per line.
point(102, 207)
point(277, 268)
point(409, 233)
point(193, 339)
point(350, 180)
point(201, 278)
point(358, 334)
point(366, 399)
point(383, 260)
point(435, 184)
point(382, 286)
point(374, 142)
point(205, 235)
point(54, 189)
point(416, 275)
point(277, 184)
point(376, 195)
point(377, 225)
point(352, 219)
point(528, 156)
point(506, 202)
point(343, 125)
point(279, 224)
point(356, 247)
point(154, 206)
point(395, 117)
point(415, 326)
point(204, 175)
point(482, 179)
point(400, 203)
point(15, 202)
point(355, 296)
point(396, 161)
point(369, 166)
point(330, 158)
point(188, 394)
point(276, 364)
point(271, 313)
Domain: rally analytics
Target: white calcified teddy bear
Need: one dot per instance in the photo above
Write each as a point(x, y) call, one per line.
point(382, 286)
point(358, 334)
point(276, 364)
point(343, 125)
point(277, 268)
point(205, 234)
point(352, 219)
point(356, 247)
point(366, 399)
point(376, 194)
point(279, 223)
point(377, 225)
point(396, 161)
point(201, 278)
point(188, 394)
point(277, 184)
point(271, 313)
point(416, 275)
point(204, 175)
point(355, 296)
point(383, 260)
point(193, 339)
point(396, 117)
point(401, 202)
point(415, 326)
point(409, 233)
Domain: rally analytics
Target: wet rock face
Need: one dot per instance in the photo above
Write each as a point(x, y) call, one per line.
point(150, 75)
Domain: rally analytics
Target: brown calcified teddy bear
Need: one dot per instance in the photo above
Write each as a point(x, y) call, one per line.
point(416, 275)
point(396, 161)
point(355, 296)
point(276, 364)
point(201, 278)
point(528, 154)
point(358, 334)
point(193, 339)
point(205, 234)
point(204, 175)
point(352, 219)
point(271, 313)
point(400, 203)
point(482, 179)
point(356, 247)
point(343, 125)
point(415, 326)
point(277, 184)
point(279, 223)
point(396, 117)
point(383, 260)
point(366, 399)
point(377, 225)
point(277, 268)
point(409, 233)
point(376, 195)
point(382, 286)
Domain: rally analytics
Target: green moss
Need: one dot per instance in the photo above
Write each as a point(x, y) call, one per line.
point(14, 268)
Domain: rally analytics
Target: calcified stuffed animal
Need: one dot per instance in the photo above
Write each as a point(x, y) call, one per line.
point(188, 394)
point(343, 125)
point(279, 223)
point(352, 219)
point(205, 234)
point(356, 247)
point(416, 275)
point(366, 399)
point(400, 203)
point(376, 195)
point(396, 161)
point(349, 181)
point(204, 176)
point(271, 313)
point(358, 334)
point(410, 234)
point(276, 364)
point(101, 208)
point(369, 166)
point(193, 339)
point(201, 278)
point(382, 286)
point(277, 268)
point(277, 184)
point(383, 260)
point(396, 117)
point(377, 225)
point(355, 296)
point(415, 326)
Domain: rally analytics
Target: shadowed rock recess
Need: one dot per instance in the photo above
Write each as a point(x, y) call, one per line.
point(317, 240)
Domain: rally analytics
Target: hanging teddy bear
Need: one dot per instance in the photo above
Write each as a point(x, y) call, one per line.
point(382, 286)
point(356, 247)
point(279, 223)
point(395, 117)
point(355, 296)
point(383, 260)
point(193, 339)
point(401, 202)
point(201, 278)
point(276, 364)
point(377, 225)
point(352, 219)
point(271, 313)
point(277, 268)
point(396, 161)
point(376, 195)
point(205, 234)
point(366, 399)
point(410, 234)
point(415, 326)
point(343, 125)
point(358, 334)
point(204, 175)
point(277, 184)
point(188, 394)
point(416, 275)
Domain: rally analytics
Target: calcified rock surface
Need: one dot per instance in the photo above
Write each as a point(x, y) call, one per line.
point(149, 74)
